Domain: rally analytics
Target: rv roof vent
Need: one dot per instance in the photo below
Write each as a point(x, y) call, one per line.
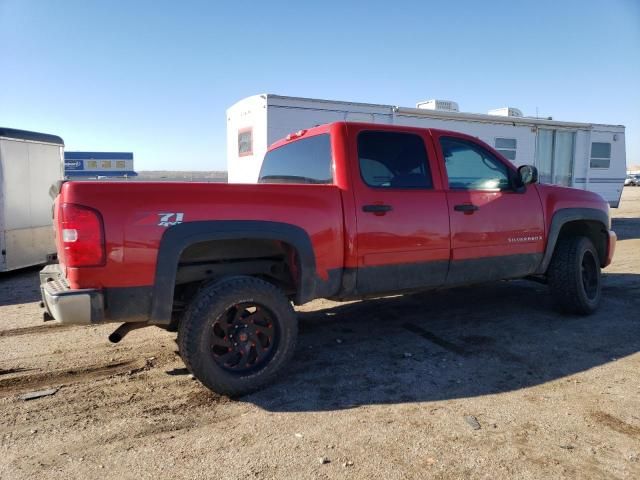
point(442, 105)
point(506, 112)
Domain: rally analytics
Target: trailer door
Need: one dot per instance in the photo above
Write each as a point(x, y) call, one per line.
point(554, 156)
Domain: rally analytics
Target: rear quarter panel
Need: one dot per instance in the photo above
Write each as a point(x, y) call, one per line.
point(132, 213)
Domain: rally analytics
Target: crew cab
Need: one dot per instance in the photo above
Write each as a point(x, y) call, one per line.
point(341, 211)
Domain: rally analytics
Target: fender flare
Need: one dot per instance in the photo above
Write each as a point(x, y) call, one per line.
point(178, 237)
point(562, 217)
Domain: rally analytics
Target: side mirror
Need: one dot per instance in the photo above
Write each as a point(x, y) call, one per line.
point(528, 174)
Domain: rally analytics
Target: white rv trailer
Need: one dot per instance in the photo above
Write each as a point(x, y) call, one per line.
point(30, 163)
point(588, 156)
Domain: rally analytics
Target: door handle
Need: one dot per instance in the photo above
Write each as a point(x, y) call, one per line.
point(377, 209)
point(466, 208)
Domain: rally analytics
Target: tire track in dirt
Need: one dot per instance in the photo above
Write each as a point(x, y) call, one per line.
point(12, 385)
point(38, 329)
point(183, 414)
point(616, 424)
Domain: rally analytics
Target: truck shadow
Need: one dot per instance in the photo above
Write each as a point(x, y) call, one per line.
point(20, 286)
point(450, 344)
point(626, 228)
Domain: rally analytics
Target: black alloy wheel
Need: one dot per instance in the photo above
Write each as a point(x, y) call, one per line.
point(590, 277)
point(574, 275)
point(238, 334)
point(244, 337)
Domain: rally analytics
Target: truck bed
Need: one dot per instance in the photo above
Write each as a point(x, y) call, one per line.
point(137, 214)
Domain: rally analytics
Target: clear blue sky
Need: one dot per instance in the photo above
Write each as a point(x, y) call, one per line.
point(155, 77)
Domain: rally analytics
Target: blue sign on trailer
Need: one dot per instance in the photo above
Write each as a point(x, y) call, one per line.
point(98, 164)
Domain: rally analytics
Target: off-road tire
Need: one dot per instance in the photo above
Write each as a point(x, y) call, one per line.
point(570, 291)
point(208, 306)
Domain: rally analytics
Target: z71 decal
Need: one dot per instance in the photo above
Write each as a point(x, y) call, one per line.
point(170, 219)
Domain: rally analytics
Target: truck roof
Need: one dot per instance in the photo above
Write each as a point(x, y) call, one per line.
point(327, 127)
point(16, 134)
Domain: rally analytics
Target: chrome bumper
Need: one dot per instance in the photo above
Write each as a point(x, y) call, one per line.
point(75, 307)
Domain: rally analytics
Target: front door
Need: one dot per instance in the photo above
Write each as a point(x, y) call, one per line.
point(401, 210)
point(497, 230)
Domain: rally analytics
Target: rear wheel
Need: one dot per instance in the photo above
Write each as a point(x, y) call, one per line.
point(237, 335)
point(574, 276)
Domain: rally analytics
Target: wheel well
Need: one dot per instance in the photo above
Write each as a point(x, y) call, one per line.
point(272, 260)
point(593, 230)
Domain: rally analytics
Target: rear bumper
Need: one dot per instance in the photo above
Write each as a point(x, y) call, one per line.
point(611, 247)
point(75, 307)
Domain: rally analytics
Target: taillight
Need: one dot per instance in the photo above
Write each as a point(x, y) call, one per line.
point(82, 236)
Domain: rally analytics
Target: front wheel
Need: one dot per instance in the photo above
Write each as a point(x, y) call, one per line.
point(237, 335)
point(574, 276)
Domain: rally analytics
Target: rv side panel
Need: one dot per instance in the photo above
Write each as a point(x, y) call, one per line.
point(246, 139)
point(607, 162)
point(28, 170)
point(524, 136)
point(17, 208)
point(3, 250)
point(287, 115)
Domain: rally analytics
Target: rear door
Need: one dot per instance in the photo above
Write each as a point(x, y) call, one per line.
point(497, 230)
point(401, 210)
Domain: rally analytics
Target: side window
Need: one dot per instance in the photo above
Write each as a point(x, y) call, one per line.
point(600, 155)
point(470, 167)
point(303, 161)
point(393, 160)
point(245, 142)
point(507, 147)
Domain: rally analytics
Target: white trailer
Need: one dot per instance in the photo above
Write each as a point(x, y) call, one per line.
point(30, 163)
point(588, 156)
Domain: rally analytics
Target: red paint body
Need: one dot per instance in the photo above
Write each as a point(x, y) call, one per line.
point(422, 227)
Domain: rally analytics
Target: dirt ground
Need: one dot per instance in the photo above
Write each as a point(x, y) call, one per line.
point(383, 389)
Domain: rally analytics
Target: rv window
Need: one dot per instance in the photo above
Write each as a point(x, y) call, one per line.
point(600, 155)
point(245, 142)
point(470, 167)
point(393, 160)
point(507, 147)
point(304, 161)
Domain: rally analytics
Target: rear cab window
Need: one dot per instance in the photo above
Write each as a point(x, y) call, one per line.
point(307, 160)
point(393, 160)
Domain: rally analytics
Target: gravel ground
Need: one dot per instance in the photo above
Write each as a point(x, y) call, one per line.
point(485, 382)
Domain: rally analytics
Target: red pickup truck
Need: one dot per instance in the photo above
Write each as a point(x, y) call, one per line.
point(341, 211)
